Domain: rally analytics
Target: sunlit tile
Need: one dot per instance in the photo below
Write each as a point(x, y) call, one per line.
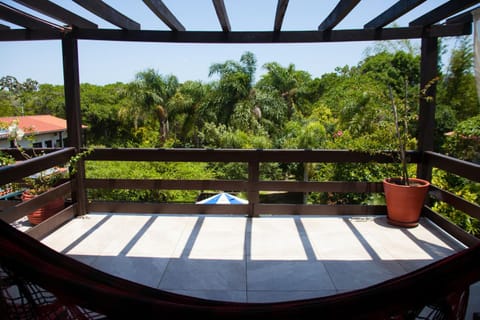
point(166, 237)
point(112, 236)
point(434, 241)
point(389, 242)
point(220, 238)
point(276, 239)
point(333, 239)
point(71, 231)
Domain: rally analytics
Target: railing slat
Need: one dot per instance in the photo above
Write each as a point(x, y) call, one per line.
point(455, 201)
point(451, 228)
point(19, 170)
point(236, 185)
point(43, 229)
point(245, 155)
point(459, 167)
point(12, 214)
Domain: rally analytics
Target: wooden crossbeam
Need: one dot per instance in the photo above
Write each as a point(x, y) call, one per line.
point(24, 19)
point(222, 14)
point(447, 30)
point(280, 14)
point(57, 12)
point(466, 17)
point(442, 12)
point(392, 13)
point(161, 10)
point(111, 15)
point(337, 15)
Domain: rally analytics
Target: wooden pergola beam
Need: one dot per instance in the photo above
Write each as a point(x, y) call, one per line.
point(109, 14)
point(442, 12)
point(222, 14)
point(466, 17)
point(57, 12)
point(274, 37)
point(24, 19)
point(161, 11)
point(280, 14)
point(337, 15)
point(392, 13)
point(448, 30)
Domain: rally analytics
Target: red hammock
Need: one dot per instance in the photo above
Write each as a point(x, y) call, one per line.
point(37, 282)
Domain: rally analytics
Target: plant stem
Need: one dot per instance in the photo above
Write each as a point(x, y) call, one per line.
point(399, 137)
point(405, 136)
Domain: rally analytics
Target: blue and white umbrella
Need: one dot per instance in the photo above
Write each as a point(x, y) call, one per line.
point(223, 198)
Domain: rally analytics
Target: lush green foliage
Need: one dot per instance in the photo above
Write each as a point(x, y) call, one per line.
point(349, 108)
point(146, 170)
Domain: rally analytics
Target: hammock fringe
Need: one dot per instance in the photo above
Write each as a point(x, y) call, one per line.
point(37, 282)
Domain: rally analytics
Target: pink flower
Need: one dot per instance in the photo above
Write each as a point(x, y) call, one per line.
point(337, 134)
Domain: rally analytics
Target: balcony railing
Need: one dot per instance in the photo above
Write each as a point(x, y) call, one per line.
point(12, 210)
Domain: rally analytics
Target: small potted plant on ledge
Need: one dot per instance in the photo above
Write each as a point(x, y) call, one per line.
point(404, 196)
point(45, 180)
point(39, 183)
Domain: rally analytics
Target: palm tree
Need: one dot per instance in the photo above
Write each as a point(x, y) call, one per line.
point(185, 110)
point(235, 84)
point(150, 92)
point(288, 82)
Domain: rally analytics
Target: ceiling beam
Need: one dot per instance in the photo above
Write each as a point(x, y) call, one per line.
point(57, 12)
point(222, 14)
point(392, 13)
point(109, 14)
point(30, 34)
point(271, 37)
point(337, 15)
point(466, 17)
point(4, 27)
point(280, 14)
point(24, 19)
point(397, 33)
point(161, 10)
point(442, 12)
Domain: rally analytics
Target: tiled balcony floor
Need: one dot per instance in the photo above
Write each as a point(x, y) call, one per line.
point(262, 259)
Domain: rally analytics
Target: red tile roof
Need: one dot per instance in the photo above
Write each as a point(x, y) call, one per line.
point(38, 124)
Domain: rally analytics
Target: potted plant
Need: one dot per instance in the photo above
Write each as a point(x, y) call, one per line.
point(43, 181)
point(404, 196)
point(38, 184)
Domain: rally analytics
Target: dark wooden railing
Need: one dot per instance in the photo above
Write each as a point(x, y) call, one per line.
point(252, 185)
point(464, 169)
point(12, 210)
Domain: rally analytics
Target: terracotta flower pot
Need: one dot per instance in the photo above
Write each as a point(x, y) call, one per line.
point(404, 203)
point(44, 212)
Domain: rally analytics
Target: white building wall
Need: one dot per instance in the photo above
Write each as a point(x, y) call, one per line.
point(44, 140)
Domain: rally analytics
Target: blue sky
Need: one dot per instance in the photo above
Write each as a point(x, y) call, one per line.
point(108, 62)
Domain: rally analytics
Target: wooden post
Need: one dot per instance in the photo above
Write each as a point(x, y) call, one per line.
point(253, 195)
point(71, 80)
point(426, 116)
